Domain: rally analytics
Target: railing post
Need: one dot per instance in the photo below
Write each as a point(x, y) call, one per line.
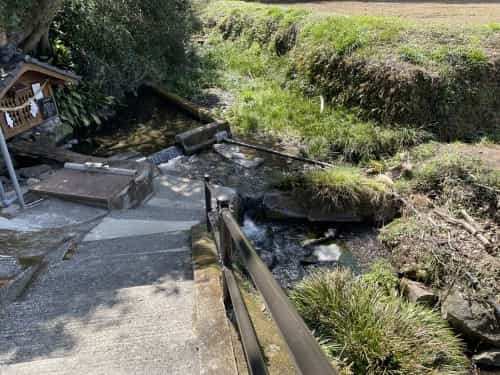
point(226, 242)
point(208, 201)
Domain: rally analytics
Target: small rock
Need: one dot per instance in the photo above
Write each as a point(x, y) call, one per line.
point(489, 359)
point(406, 170)
point(330, 234)
point(32, 181)
point(233, 154)
point(417, 292)
point(477, 323)
point(324, 254)
point(402, 170)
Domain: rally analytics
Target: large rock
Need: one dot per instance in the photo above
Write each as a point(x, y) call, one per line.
point(282, 206)
point(489, 359)
point(477, 323)
point(417, 292)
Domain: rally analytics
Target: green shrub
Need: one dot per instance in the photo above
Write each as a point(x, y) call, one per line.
point(373, 332)
point(117, 44)
point(84, 108)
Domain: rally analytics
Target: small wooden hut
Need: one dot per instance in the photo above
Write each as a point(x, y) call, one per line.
point(27, 95)
point(26, 101)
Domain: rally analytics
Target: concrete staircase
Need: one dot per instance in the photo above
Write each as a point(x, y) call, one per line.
point(124, 303)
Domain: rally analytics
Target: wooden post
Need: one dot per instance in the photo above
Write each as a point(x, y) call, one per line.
point(208, 201)
point(226, 243)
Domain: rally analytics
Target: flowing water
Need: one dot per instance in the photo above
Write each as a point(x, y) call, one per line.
point(282, 246)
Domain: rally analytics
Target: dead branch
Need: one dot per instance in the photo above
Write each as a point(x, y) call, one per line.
point(467, 226)
point(470, 220)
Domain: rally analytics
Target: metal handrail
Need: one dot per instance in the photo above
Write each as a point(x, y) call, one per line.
point(303, 347)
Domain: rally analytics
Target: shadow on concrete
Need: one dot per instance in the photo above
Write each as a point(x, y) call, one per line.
point(103, 286)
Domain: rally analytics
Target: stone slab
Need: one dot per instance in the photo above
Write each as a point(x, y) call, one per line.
point(51, 213)
point(111, 228)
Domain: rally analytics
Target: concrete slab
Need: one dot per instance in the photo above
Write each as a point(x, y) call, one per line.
point(140, 330)
point(212, 326)
point(111, 228)
point(51, 213)
point(124, 302)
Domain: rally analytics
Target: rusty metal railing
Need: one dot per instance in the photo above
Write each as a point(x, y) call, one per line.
point(232, 243)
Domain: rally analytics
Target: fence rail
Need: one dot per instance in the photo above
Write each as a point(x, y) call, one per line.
point(232, 243)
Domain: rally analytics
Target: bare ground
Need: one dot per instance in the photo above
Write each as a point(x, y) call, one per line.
point(458, 12)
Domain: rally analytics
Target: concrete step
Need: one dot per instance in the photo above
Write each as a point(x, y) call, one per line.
point(111, 228)
point(136, 330)
point(179, 189)
point(135, 244)
point(87, 275)
point(167, 211)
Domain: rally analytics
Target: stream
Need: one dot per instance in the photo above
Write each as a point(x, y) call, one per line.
point(283, 247)
point(146, 125)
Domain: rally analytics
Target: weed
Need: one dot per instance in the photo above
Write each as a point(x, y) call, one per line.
point(375, 332)
point(413, 55)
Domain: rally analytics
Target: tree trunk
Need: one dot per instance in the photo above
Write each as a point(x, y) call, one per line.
point(34, 29)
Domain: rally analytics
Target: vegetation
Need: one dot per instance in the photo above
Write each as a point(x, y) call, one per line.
point(394, 72)
point(118, 44)
point(451, 178)
point(371, 331)
point(269, 102)
point(341, 187)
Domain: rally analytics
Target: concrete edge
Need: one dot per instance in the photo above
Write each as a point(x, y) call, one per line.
point(216, 350)
point(10, 292)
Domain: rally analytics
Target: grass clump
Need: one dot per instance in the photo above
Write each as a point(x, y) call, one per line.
point(437, 174)
point(341, 187)
point(371, 331)
point(453, 175)
point(398, 230)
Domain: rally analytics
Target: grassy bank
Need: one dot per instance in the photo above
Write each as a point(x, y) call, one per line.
point(270, 101)
point(390, 72)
